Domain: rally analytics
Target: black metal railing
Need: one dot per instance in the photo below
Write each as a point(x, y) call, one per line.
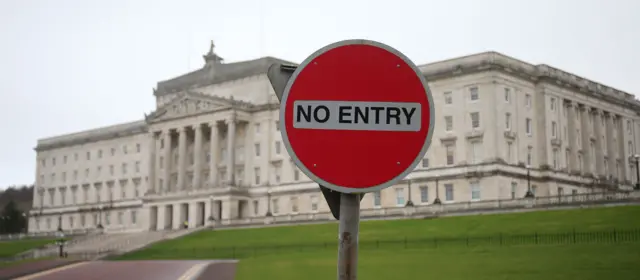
point(613, 236)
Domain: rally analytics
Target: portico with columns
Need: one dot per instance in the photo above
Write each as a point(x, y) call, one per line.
point(195, 168)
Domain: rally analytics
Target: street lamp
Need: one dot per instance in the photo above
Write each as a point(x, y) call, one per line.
point(437, 200)
point(60, 242)
point(529, 193)
point(269, 214)
point(636, 157)
point(409, 202)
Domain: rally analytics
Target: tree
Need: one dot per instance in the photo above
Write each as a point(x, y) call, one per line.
point(12, 220)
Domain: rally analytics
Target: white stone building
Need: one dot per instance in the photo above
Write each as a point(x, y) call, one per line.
point(212, 148)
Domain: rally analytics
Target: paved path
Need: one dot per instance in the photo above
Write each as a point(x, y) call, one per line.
point(29, 267)
point(140, 270)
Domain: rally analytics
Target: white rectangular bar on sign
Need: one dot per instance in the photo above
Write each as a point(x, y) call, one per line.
point(356, 115)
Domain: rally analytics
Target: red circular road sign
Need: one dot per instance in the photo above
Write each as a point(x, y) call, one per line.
point(357, 116)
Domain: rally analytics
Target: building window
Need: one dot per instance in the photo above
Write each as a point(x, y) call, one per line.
point(534, 189)
point(424, 194)
point(134, 218)
point(400, 196)
point(278, 173)
point(555, 158)
point(88, 155)
point(277, 125)
point(448, 99)
point(578, 138)
point(277, 147)
point(257, 148)
point(507, 121)
point(276, 207)
point(256, 174)
point(99, 153)
point(475, 153)
point(124, 149)
point(475, 191)
point(376, 199)
point(553, 104)
point(527, 100)
point(296, 174)
point(514, 188)
point(124, 168)
point(450, 154)
point(255, 208)
point(138, 148)
point(448, 123)
point(448, 192)
point(294, 204)
point(554, 129)
point(580, 165)
point(113, 151)
point(475, 120)
point(510, 153)
point(314, 203)
point(425, 163)
point(120, 219)
point(257, 126)
point(507, 95)
point(473, 93)
point(528, 126)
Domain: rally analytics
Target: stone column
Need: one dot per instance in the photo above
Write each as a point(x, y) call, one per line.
point(571, 136)
point(176, 221)
point(622, 156)
point(213, 155)
point(598, 158)
point(167, 161)
point(152, 162)
point(182, 155)
point(160, 217)
point(197, 156)
point(610, 152)
point(585, 132)
point(193, 214)
point(231, 149)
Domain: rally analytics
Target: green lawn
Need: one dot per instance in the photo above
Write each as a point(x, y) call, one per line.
point(596, 262)
point(13, 247)
point(605, 243)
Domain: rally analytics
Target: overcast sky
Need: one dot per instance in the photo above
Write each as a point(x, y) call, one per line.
point(71, 65)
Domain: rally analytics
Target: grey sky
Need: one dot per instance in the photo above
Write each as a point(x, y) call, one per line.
point(71, 65)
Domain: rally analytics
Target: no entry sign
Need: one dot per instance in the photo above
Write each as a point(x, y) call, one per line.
point(357, 116)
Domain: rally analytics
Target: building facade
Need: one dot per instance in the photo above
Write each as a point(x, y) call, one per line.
point(212, 149)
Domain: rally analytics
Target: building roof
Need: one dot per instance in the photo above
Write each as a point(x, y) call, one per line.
point(216, 71)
